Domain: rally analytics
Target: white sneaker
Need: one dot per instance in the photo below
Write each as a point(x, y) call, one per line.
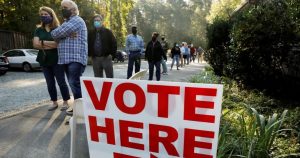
point(64, 107)
point(69, 111)
point(52, 107)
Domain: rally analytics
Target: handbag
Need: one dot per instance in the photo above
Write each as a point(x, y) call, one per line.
point(41, 57)
point(44, 55)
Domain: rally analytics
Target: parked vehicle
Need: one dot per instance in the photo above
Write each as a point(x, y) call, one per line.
point(120, 56)
point(3, 65)
point(22, 58)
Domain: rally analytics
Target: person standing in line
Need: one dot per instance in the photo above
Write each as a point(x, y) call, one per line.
point(187, 51)
point(48, 57)
point(72, 47)
point(154, 53)
point(175, 52)
point(165, 47)
point(134, 48)
point(193, 53)
point(183, 56)
point(102, 46)
point(200, 54)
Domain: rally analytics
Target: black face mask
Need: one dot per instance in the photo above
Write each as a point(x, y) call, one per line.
point(154, 38)
point(66, 13)
point(134, 32)
point(46, 19)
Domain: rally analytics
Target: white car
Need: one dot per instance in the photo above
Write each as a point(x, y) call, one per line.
point(22, 58)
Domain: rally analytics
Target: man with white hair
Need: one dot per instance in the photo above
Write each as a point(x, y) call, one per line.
point(72, 46)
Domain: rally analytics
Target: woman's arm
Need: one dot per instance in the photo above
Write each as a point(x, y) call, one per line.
point(37, 43)
point(50, 44)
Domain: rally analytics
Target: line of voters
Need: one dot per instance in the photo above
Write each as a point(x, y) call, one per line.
point(63, 50)
point(156, 54)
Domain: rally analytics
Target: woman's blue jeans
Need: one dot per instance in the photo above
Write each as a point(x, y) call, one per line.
point(52, 73)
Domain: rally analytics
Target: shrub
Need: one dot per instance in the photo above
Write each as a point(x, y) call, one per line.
point(259, 47)
point(261, 39)
point(218, 40)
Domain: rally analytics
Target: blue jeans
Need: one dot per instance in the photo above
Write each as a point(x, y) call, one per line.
point(175, 58)
point(134, 58)
point(74, 72)
point(52, 73)
point(151, 69)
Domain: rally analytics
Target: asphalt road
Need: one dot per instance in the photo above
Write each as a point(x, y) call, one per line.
point(20, 90)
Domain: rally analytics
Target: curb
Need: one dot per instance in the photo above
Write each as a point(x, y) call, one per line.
point(15, 112)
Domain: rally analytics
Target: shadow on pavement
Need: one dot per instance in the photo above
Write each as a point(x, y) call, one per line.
point(38, 134)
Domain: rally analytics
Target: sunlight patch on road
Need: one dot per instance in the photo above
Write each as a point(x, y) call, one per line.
point(24, 83)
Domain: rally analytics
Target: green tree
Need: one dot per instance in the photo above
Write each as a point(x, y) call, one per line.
point(222, 9)
point(22, 15)
point(117, 17)
point(179, 20)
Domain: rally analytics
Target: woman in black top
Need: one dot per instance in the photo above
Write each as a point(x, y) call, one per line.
point(154, 53)
point(48, 57)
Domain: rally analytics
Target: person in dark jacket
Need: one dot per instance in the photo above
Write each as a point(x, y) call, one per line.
point(175, 52)
point(154, 53)
point(102, 47)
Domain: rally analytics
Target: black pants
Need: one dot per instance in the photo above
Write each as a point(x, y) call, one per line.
point(134, 58)
point(151, 69)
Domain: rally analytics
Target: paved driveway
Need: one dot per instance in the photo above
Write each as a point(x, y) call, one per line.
point(20, 90)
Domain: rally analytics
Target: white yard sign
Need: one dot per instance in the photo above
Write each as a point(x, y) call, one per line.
point(143, 119)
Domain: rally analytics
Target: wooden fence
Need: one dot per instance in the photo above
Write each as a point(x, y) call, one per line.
point(14, 40)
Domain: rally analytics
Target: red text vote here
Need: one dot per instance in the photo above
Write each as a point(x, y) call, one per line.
point(128, 118)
